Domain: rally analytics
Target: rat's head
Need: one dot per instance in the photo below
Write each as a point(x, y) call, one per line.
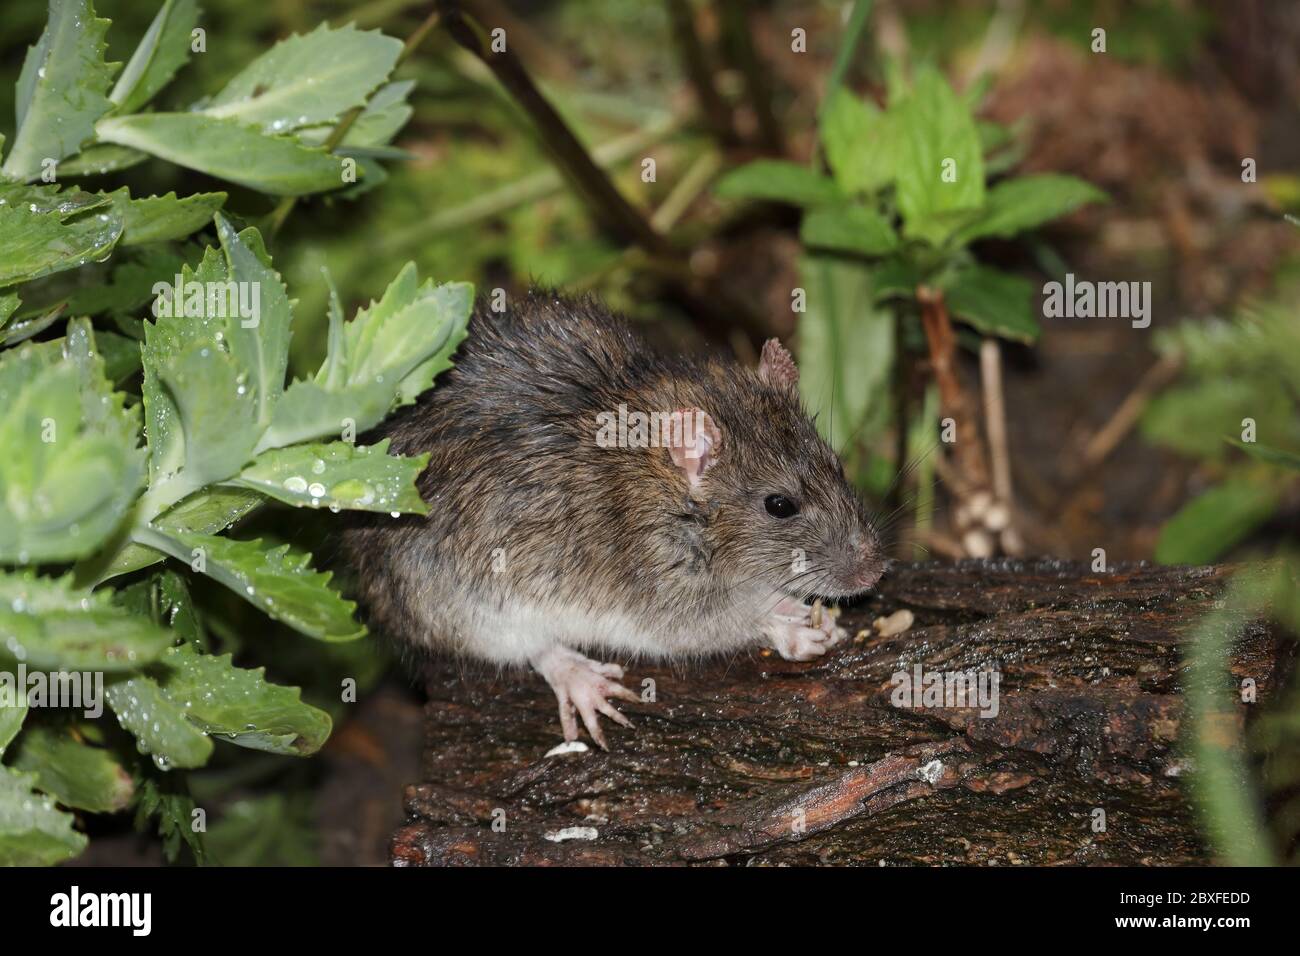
point(778, 508)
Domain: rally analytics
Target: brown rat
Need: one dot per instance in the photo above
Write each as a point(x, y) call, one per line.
point(561, 523)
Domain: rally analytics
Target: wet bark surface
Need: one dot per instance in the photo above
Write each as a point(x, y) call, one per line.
point(757, 760)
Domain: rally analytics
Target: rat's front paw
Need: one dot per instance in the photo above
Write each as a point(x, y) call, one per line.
point(792, 630)
point(583, 686)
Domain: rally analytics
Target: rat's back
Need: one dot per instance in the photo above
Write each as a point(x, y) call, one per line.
point(513, 473)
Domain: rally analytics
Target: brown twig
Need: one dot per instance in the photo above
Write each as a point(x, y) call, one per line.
point(739, 44)
point(1108, 437)
point(954, 400)
point(695, 63)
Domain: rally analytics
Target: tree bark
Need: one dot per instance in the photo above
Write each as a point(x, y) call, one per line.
point(754, 759)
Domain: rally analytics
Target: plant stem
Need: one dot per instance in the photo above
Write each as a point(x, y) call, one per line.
point(696, 65)
point(739, 42)
point(853, 32)
point(606, 202)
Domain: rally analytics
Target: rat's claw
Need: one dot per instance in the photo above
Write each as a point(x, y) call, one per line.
point(582, 687)
point(791, 631)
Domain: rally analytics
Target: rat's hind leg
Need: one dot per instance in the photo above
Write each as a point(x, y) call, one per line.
point(584, 686)
point(791, 630)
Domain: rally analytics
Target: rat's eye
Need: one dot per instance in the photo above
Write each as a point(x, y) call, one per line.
point(779, 506)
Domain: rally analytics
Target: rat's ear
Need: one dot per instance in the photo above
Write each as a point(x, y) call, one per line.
point(694, 442)
point(777, 367)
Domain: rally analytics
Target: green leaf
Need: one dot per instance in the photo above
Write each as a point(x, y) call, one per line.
point(994, 302)
point(1274, 456)
point(895, 277)
point(13, 710)
point(61, 91)
point(388, 354)
point(35, 244)
point(779, 181)
point(49, 198)
point(338, 475)
point(76, 774)
point(71, 468)
point(1209, 525)
point(1028, 201)
point(159, 723)
point(213, 509)
point(308, 79)
point(240, 706)
point(162, 51)
point(280, 582)
point(48, 625)
point(217, 412)
point(846, 351)
point(1193, 419)
point(854, 229)
point(937, 141)
point(101, 159)
point(229, 150)
point(33, 832)
point(159, 218)
point(260, 349)
point(166, 798)
point(861, 143)
point(276, 829)
point(376, 125)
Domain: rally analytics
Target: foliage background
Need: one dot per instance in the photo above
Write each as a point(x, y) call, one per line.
point(1160, 124)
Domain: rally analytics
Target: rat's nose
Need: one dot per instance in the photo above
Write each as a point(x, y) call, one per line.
point(868, 565)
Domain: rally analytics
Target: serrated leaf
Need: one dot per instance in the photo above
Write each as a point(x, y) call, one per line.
point(162, 51)
point(994, 302)
point(1028, 201)
point(71, 468)
point(160, 218)
point(241, 706)
point(229, 150)
point(43, 199)
point(779, 181)
point(213, 509)
point(280, 582)
point(35, 244)
point(261, 350)
point(48, 625)
point(165, 798)
point(128, 285)
point(390, 353)
point(164, 340)
point(861, 143)
point(308, 79)
point(74, 773)
point(338, 475)
point(385, 114)
point(853, 229)
point(158, 722)
point(61, 91)
point(13, 710)
point(217, 412)
point(938, 142)
point(101, 159)
point(33, 832)
point(1209, 525)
